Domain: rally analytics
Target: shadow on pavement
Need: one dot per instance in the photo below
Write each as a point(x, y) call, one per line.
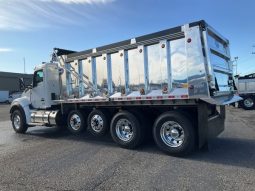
point(229, 151)
point(222, 150)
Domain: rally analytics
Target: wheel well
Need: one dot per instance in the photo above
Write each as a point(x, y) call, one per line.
point(15, 107)
point(18, 107)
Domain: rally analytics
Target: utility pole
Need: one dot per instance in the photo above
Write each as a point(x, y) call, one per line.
point(24, 62)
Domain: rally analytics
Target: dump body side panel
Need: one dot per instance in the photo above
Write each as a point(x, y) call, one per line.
point(191, 62)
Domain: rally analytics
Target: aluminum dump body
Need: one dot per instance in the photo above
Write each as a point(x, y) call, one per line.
point(186, 62)
point(246, 84)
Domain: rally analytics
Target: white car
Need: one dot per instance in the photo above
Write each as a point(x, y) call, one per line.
point(14, 96)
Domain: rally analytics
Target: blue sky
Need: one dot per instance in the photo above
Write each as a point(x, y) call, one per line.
point(31, 28)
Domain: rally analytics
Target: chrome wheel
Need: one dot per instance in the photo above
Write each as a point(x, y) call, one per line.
point(248, 102)
point(124, 130)
point(75, 122)
point(172, 134)
point(16, 121)
point(97, 123)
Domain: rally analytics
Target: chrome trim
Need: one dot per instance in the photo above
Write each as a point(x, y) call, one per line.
point(109, 73)
point(16, 121)
point(126, 63)
point(81, 82)
point(68, 79)
point(169, 66)
point(44, 117)
point(146, 69)
point(94, 74)
point(124, 130)
point(97, 123)
point(172, 134)
point(75, 122)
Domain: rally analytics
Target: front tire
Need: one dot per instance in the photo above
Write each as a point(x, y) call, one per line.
point(174, 134)
point(126, 130)
point(19, 122)
point(75, 122)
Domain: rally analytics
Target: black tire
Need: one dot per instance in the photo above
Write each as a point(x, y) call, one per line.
point(75, 122)
point(19, 121)
point(98, 123)
point(185, 142)
point(145, 120)
point(248, 103)
point(135, 129)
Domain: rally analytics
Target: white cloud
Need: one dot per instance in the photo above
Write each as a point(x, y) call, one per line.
point(6, 50)
point(79, 1)
point(34, 14)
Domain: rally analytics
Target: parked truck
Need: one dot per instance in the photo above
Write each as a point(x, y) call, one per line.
point(246, 90)
point(173, 84)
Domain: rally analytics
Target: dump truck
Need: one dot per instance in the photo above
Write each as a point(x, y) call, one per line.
point(170, 85)
point(246, 90)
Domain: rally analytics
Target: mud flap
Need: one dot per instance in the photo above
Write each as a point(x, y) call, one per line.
point(209, 127)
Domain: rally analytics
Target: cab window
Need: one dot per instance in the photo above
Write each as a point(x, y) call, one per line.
point(38, 77)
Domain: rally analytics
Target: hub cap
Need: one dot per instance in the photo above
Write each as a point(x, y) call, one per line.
point(16, 121)
point(97, 123)
point(248, 102)
point(75, 122)
point(172, 134)
point(124, 130)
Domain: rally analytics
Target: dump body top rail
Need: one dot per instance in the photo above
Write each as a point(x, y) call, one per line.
point(169, 34)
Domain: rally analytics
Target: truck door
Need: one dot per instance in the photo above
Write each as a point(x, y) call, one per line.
point(38, 90)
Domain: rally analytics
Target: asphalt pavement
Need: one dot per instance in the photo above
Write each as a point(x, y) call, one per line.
point(46, 159)
point(4, 112)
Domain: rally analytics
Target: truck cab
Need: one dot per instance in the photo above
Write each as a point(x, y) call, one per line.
point(37, 105)
point(45, 88)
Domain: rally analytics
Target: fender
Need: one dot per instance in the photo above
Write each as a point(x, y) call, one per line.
point(23, 105)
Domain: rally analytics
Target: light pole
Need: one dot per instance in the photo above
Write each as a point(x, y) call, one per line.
point(24, 62)
point(235, 65)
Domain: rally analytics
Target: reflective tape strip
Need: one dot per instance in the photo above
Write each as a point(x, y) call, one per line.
point(150, 98)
